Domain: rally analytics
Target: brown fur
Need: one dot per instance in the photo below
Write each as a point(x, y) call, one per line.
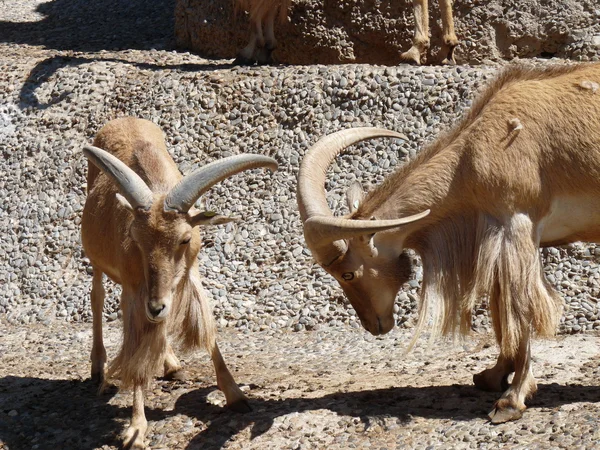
point(462, 170)
point(496, 194)
point(150, 253)
point(258, 9)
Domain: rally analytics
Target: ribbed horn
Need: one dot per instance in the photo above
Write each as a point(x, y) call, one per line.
point(130, 185)
point(312, 203)
point(326, 229)
point(185, 193)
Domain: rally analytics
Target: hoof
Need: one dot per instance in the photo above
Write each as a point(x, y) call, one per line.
point(176, 375)
point(504, 412)
point(446, 55)
point(411, 56)
point(243, 61)
point(98, 378)
point(410, 59)
point(133, 439)
point(240, 406)
point(264, 57)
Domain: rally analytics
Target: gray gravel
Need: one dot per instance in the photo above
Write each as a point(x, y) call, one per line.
point(335, 389)
point(259, 273)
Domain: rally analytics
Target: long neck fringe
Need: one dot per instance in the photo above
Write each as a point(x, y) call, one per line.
point(144, 346)
point(472, 258)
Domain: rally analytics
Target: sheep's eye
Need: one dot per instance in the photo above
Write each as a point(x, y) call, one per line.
point(348, 276)
point(185, 241)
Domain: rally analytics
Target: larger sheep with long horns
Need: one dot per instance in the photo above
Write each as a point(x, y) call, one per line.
point(522, 170)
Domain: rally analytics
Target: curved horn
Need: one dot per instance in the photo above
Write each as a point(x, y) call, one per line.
point(183, 196)
point(323, 232)
point(326, 229)
point(130, 185)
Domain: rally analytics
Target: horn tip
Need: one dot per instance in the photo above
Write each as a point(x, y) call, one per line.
point(90, 150)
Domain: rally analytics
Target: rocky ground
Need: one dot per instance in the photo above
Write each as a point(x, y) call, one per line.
point(316, 379)
point(330, 389)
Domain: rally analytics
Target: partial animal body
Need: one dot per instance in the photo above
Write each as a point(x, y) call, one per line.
point(140, 228)
point(522, 170)
point(262, 42)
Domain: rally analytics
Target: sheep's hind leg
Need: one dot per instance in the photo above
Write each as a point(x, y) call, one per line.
point(512, 403)
point(264, 54)
point(98, 355)
point(172, 366)
point(495, 379)
point(247, 55)
point(449, 39)
point(133, 438)
point(421, 38)
point(236, 400)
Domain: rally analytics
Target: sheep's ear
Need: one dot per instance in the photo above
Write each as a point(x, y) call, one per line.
point(354, 196)
point(124, 203)
point(369, 245)
point(210, 218)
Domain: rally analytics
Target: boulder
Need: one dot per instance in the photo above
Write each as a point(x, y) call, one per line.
point(377, 31)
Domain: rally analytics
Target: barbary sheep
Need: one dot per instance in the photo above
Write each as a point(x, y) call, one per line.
point(522, 170)
point(140, 228)
point(262, 40)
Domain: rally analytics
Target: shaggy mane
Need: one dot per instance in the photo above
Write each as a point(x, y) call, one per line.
point(467, 259)
point(144, 345)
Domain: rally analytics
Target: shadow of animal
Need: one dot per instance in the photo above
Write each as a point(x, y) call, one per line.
point(53, 414)
point(80, 25)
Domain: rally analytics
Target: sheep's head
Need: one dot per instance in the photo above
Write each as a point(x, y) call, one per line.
point(365, 256)
point(164, 228)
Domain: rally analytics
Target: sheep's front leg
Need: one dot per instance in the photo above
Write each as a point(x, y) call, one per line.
point(512, 403)
point(449, 39)
point(236, 400)
point(172, 366)
point(246, 56)
point(133, 437)
point(495, 379)
point(98, 355)
point(421, 38)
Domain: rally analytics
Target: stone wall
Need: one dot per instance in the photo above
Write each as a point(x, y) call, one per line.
point(376, 31)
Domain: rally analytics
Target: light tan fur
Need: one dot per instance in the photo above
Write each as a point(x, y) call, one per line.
point(495, 197)
point(262, 38)
point(156, 260)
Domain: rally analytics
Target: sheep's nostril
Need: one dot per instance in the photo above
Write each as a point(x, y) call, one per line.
point(155, 309)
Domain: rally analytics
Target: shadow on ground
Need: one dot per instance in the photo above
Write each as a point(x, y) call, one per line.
point(82, 25)
point(57, 414)
point(45, 69)
point(70, 414)
point(456, 402)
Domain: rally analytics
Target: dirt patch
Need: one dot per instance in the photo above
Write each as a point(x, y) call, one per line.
point(338, 388)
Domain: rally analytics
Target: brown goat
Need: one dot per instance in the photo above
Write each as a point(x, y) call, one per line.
point(140, 227)
point(521, 171)
point(262, 36)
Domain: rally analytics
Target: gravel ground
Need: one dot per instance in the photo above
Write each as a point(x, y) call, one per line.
point(66, 68)
point(334, 389)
